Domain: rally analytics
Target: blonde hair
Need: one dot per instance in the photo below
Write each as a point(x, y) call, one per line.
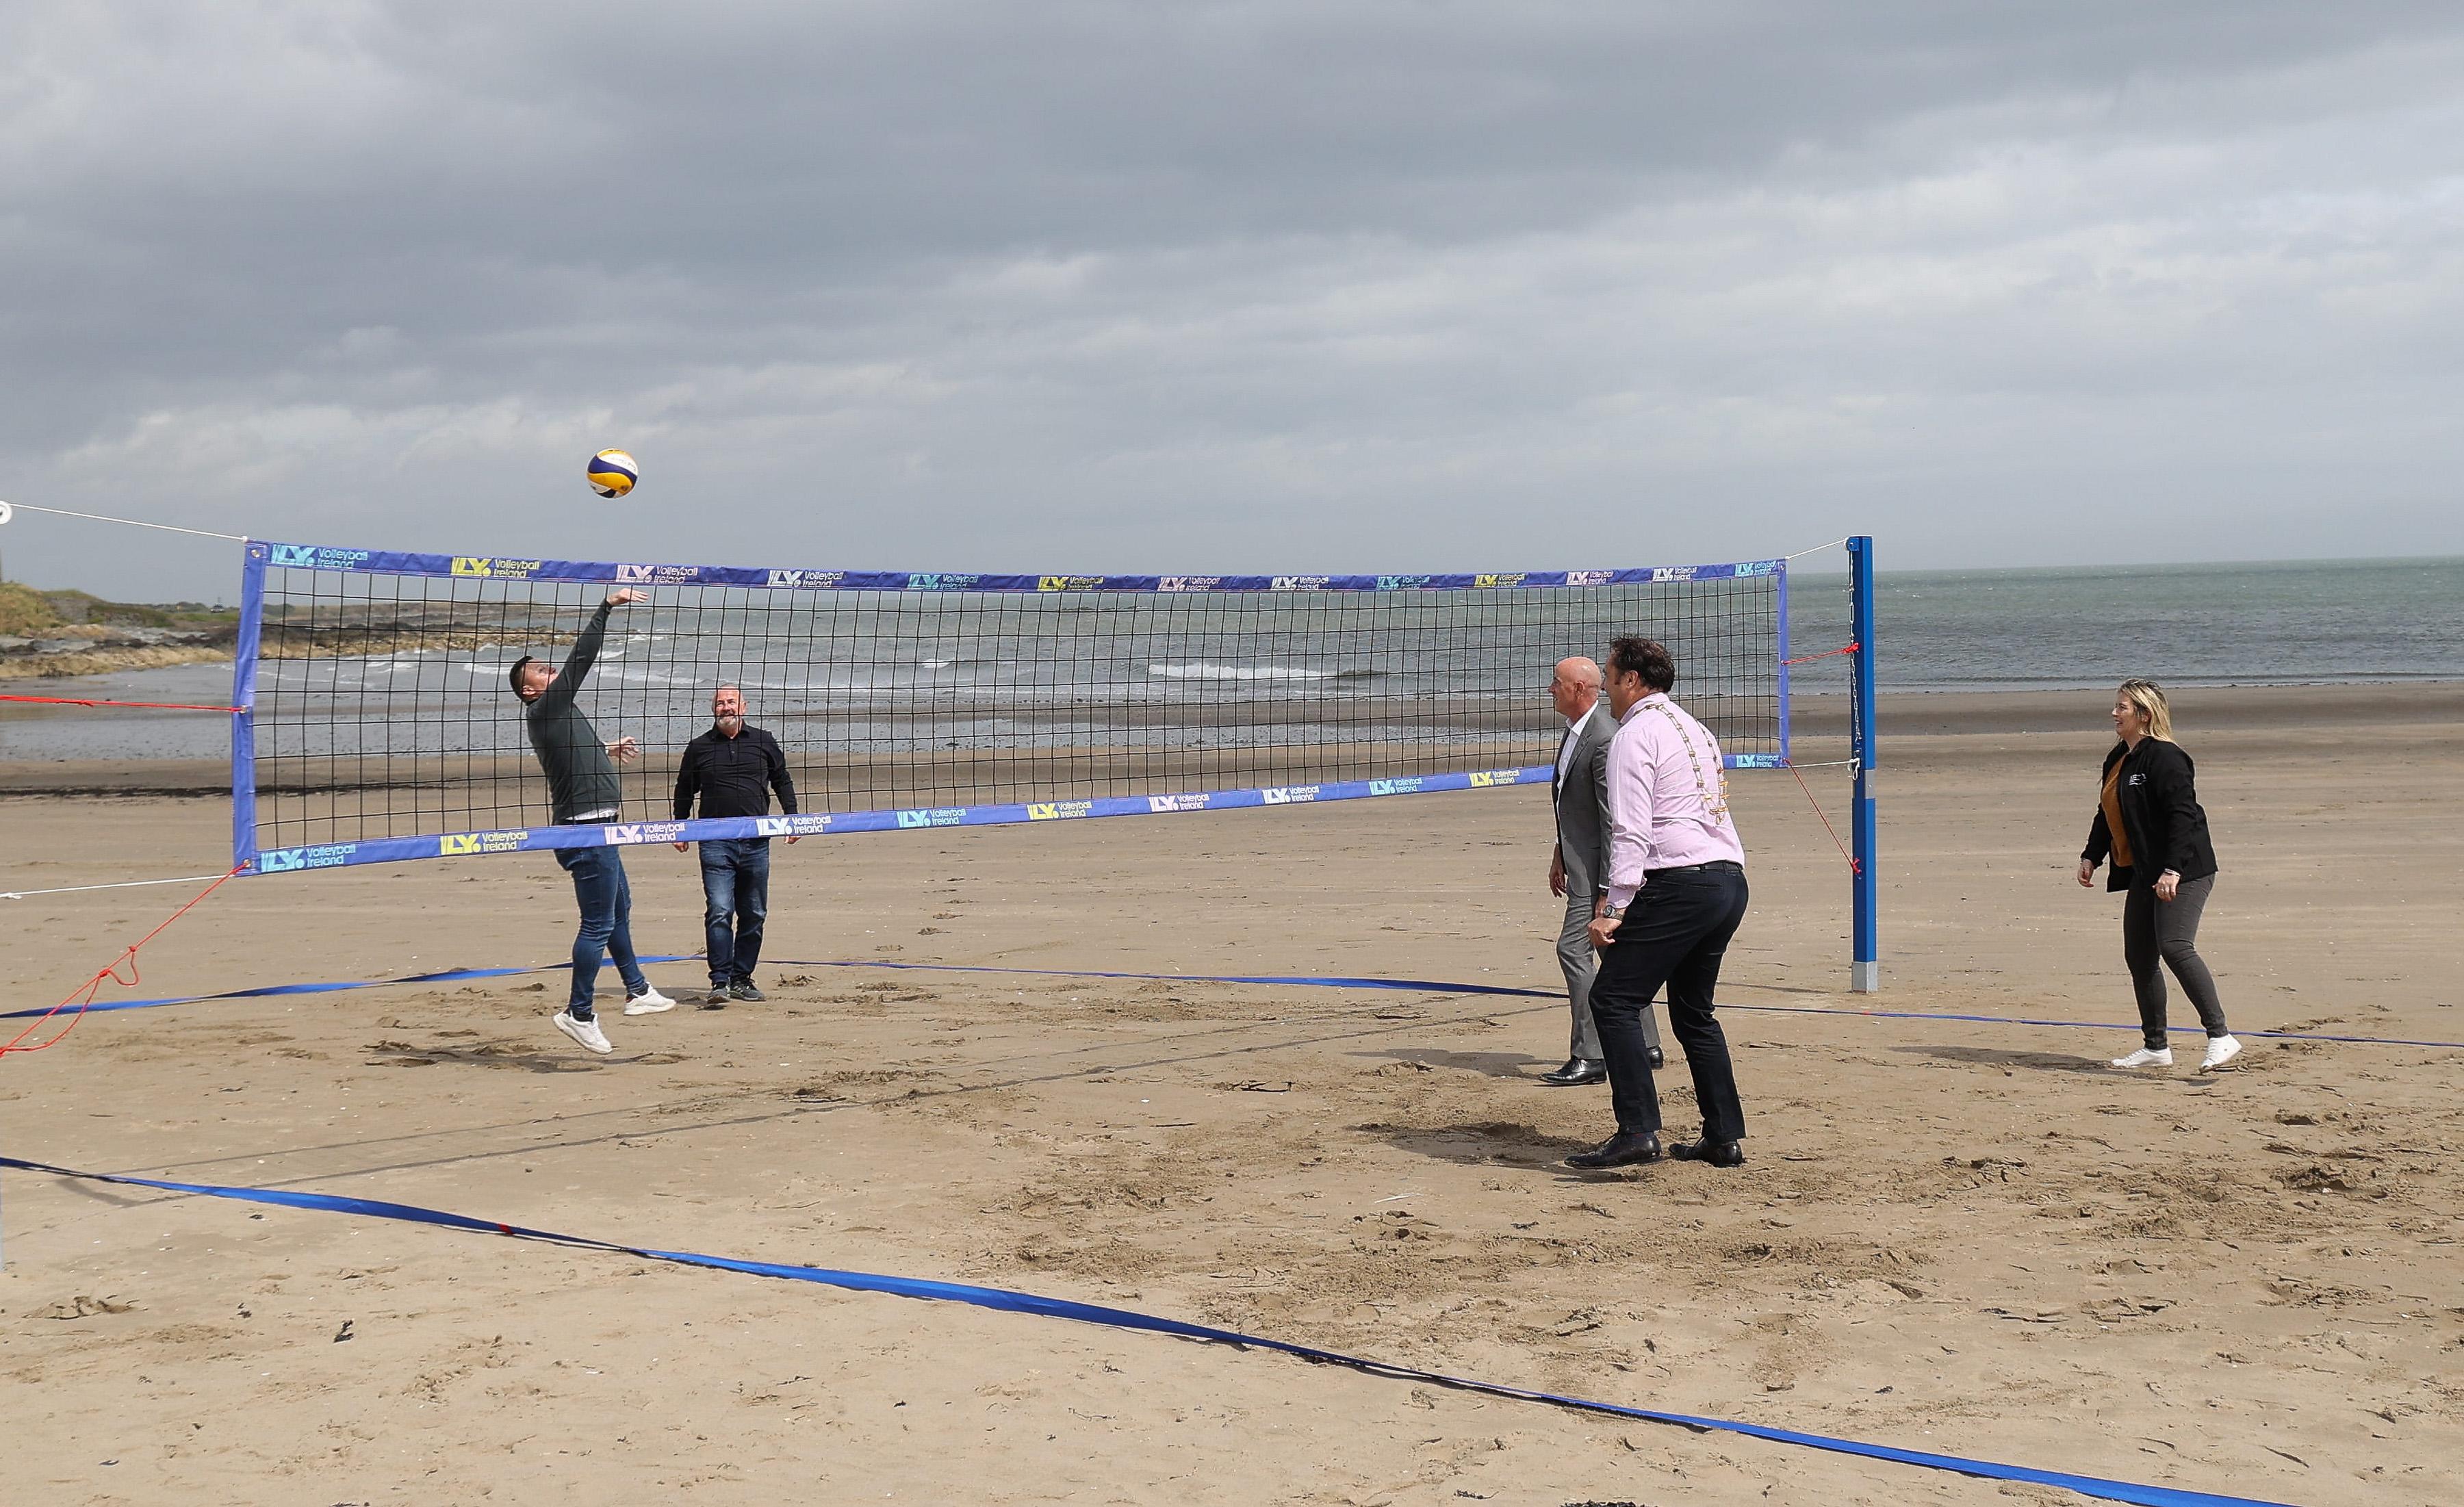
point(2149, 698)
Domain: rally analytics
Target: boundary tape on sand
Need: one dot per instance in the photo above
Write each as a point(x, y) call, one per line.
point(450, 976)
point(1424, 986)
point(1008, 1301)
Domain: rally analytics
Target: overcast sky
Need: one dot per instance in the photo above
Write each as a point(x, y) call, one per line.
point(1246, 286)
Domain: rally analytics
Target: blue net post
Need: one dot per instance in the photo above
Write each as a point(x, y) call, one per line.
point(252, 629)
point(1865, 966)
point(1780, 653)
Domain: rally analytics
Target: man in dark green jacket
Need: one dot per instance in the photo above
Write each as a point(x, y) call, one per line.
point(583, 787)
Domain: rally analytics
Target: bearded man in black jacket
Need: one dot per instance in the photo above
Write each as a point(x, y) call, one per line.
point(733, 768)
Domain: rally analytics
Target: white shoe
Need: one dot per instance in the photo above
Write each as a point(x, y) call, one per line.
point(649, 1002)
point(584, 1032)
point(2221, 1050)
point(2161, 1056)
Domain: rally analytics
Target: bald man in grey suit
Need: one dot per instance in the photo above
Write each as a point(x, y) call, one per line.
point(1579, 865)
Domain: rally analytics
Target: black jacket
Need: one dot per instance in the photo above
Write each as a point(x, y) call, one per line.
point(2159, 814)
point(734, 777)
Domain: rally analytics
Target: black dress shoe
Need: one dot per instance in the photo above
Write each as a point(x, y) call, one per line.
point(1621, 1149)
point(1578, 1070)
point(1656, 1058)
point(1719, 1153)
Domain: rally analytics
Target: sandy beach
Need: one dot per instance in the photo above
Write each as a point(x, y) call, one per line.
point(1950, 1235)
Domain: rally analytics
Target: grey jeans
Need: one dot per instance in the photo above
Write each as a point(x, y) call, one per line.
point(2157, 931)
point(1581, 965)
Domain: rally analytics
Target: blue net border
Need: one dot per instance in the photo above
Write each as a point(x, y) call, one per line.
point(633, 834)
point(630, 834)
point(491, 567)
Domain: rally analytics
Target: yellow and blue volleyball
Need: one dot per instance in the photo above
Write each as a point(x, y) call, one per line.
point(613, 473)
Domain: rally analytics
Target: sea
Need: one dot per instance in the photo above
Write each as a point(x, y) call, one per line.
point(2270, 624)
point(2306, 622)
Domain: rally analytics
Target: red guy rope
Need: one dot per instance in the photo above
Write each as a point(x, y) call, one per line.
point(83, 994)
point(163, 706)
point(1849, 648)
point(1854, 868)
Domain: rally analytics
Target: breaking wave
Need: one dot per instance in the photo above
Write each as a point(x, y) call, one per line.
point(1204, 671)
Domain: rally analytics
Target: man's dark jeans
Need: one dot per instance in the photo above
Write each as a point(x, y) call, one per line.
point(736, 898)
point(606, 901)
point(1675, 934)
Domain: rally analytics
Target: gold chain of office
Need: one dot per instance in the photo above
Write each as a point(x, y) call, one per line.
point(1717, 809)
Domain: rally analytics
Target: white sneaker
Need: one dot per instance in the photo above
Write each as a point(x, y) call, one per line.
point(2221, 1050)
point(584, 1032)
point(649, 1002)
point(2161, 1057)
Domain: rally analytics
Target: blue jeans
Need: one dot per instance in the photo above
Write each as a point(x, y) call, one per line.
point(607, 900)
point(736, 899)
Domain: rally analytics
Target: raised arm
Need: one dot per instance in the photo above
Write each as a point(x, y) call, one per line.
point(584, 652)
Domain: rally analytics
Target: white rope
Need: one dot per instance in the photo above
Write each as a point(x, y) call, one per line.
point(6, 509)
point(1829, 763)
point(1816, 550)
point(78, 889)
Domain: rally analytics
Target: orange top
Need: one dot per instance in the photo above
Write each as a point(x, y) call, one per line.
point(2111, 801)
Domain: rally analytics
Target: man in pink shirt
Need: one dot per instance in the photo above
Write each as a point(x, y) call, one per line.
point(1676, 891)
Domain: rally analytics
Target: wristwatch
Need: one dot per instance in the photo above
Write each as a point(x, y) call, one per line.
point(1612, 912)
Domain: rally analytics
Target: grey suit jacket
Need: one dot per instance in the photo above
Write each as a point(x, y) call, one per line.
point(1581, 799)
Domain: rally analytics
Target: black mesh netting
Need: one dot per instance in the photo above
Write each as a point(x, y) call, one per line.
point(382, 708)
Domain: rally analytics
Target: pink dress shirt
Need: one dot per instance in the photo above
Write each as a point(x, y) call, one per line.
point(1668, 796)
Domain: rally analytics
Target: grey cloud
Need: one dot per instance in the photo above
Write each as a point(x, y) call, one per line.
point(1234, 286)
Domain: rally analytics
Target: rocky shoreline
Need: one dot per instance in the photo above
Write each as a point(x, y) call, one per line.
point(103, 648)
point(52, 635)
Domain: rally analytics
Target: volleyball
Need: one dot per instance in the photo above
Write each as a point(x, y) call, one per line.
point(613, 473)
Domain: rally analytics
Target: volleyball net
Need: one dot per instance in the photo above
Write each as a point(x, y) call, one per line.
point(378, 723)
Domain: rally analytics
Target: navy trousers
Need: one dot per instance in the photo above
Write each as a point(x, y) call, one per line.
point(1675, 934)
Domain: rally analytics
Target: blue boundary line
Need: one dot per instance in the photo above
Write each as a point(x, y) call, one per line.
point(2086, 1025)
point(450, 975)
point(1422, 986)
point(1008, 1301)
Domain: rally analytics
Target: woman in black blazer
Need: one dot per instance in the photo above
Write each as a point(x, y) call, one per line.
point(2148, 822)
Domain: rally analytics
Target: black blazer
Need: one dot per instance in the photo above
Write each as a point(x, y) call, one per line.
point(2159, 812)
